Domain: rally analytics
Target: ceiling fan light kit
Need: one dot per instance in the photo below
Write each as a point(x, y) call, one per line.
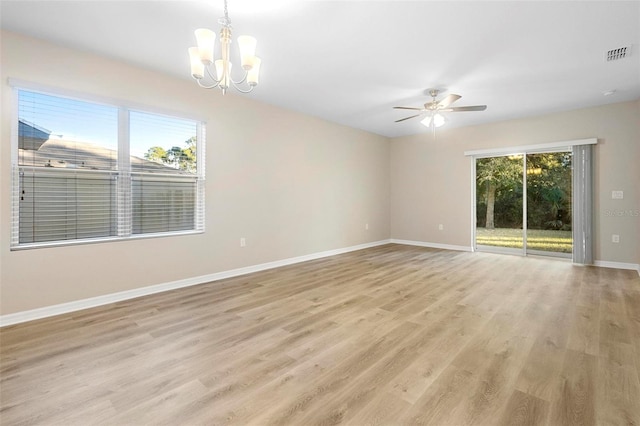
point(202, 59)
point(437, 119)
point(433, 109)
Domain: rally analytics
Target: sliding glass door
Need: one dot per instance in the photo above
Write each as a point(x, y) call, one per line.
point(549, 204)
point(523, 203)
point(499, 203)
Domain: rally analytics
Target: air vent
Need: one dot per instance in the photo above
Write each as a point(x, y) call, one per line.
point(619, 53)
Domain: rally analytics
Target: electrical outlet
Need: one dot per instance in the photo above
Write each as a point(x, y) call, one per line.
point(441, 227)
point(615, 238)
point(243, 242)
point(366, 226)
point(617, 195)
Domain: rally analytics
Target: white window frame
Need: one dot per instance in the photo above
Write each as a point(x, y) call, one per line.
point(123, 173)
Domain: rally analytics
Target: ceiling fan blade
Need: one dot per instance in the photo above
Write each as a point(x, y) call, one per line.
point(416, 109)
point(448, 101)
point(466, 108)
point(406, 118)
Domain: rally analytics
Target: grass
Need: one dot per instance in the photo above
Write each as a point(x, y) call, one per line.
point(543, 240)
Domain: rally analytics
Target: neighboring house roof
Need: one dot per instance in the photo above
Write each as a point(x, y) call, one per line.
point(60, 153)
point(35, 148)
point(30, 135)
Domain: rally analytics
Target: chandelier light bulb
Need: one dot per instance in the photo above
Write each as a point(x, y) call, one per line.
point(247, 45)
point(197, 67)
point(254, 73)
point(206, 40)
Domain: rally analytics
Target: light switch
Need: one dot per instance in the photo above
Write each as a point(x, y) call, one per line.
point(617, 195)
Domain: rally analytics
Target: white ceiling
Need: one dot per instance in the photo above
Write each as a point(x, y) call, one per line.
point(350, 61)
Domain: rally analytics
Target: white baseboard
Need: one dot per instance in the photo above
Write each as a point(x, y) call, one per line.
point(599, 263)
point(63, 308)
point(431, 245)
point(617, 265)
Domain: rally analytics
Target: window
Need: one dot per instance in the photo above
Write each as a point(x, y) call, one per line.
point(86, 171)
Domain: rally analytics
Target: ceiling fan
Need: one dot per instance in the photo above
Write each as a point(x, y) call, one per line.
point(434, 108)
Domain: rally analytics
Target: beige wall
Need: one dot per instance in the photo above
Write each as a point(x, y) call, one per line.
point(290, 184)
point(431, 179)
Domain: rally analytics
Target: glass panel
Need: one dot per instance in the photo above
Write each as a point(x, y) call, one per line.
point(161, 144)
point(499, 202)
point(549, 203)
point(66, 133)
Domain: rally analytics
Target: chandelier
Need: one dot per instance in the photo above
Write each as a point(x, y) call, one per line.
point(210, 73)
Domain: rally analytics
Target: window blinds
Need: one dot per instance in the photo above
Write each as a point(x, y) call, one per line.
point(66, 205)
point(582, 204)
point(163, 204)
point(84, 170)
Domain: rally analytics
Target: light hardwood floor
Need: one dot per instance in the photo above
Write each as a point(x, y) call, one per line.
point(391, 335)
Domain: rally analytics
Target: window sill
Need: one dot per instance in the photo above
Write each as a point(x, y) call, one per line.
point(30, 246)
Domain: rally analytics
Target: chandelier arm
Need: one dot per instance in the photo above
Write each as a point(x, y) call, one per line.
point(235, 83)
point(206, 86)
point(243, 91)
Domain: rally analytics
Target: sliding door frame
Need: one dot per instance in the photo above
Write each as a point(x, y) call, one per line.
point(500, 250)
point(563, 146)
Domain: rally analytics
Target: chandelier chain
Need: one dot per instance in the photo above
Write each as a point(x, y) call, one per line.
point(226, 21)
